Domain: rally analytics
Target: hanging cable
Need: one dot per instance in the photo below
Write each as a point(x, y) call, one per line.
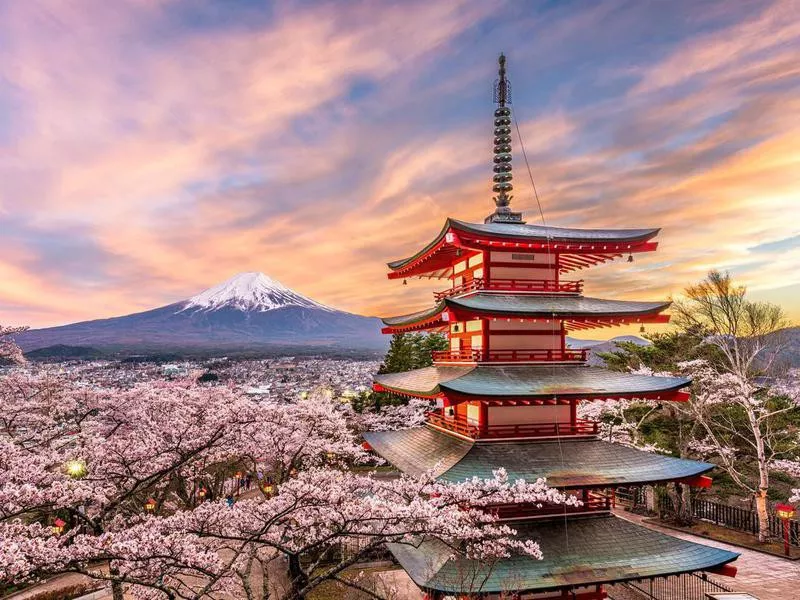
point(554, 267)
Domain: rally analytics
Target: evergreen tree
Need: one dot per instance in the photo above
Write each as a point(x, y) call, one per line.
point(407, 351)
point(664, 353)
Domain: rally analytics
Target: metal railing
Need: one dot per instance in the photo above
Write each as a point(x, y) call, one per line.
point(688, 586)
point(734, 517)
point(514, 355)
point(518, 430)
point(513, 285)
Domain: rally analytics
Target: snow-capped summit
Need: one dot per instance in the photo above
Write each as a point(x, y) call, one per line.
point(249, 312)
point(250, 292)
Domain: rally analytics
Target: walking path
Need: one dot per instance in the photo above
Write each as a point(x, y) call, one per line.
point(764, 576)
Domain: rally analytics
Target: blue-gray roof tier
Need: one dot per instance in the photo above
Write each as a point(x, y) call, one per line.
point(534, 233)
point(567, 463)
point(578, 552)
point(546, 381)
point(533, 305)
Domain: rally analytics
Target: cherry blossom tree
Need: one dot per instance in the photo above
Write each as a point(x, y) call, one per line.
point(9, 351)
point(742, 419)
point(127, 486)
point(621, 419)
point(396, 416)
point(748, 337)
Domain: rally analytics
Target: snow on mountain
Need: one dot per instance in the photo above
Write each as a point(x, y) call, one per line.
point(251, 292)
point(248, 311)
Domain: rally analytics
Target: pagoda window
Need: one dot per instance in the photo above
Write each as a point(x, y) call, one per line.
point(473, 326)
point(473, 414)
point(475, 260)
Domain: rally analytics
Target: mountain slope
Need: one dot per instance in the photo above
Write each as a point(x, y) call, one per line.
point(247, 311)
point(596, 346)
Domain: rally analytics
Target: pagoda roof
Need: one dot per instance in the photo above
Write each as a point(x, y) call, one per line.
point(527, 305)
point(565, 463)
point(578, 552)
point(527, 381)
point(531, 233)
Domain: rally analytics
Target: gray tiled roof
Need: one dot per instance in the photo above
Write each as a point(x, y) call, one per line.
point(545, 306)
point(565, 464)
point(558, 234)
point(580, 551)
point(535, 233)
point(527, 381)
point(531, 305)
point(419, 315)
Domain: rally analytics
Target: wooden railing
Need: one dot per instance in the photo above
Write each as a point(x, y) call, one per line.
point(522, 355)
point(518, 430)
point(513, 285)
point(594, 502)
point(515, 355)
point(459, 426)
point(465, 355)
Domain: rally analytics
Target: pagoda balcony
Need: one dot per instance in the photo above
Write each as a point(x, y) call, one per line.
point(474, 355)
point(546, 286)
point(591, 502)
point(580, 427)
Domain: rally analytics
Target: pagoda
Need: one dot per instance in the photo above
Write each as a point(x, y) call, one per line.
point(507, 391)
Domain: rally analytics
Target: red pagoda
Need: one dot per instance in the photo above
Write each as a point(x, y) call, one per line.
point(507, 392)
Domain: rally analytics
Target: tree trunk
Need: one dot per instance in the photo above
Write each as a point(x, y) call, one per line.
point(681, 502)
point(763, 478)
point(763, 514)
point(297, 578)
point(117, 591)
point(687, 516)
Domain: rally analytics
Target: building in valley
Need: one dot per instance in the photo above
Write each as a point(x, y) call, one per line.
point(507, 392)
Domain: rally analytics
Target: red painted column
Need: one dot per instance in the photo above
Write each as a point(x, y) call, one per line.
point(485, 338)
point(556, 263)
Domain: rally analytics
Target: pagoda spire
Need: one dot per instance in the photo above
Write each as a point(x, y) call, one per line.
point(502, 151)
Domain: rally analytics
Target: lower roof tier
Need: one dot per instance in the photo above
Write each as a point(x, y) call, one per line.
point(566, 464)
point(531, 306)
point(577, 552)
point(473, 382)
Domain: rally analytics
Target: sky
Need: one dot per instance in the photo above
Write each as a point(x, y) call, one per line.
point(152, 148)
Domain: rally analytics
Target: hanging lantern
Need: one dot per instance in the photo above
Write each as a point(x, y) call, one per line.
point(630, 257)
point(76, 469)
point(58, 526)
point(150, 505)
point(405, 282)
point(641, 329)
point(785, 511)
point(202, 492)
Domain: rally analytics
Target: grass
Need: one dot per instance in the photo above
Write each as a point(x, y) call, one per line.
point(730, 536)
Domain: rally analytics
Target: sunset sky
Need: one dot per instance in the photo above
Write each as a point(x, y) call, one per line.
point(152, 148)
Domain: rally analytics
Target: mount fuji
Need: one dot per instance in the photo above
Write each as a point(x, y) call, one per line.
point(249, 311)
